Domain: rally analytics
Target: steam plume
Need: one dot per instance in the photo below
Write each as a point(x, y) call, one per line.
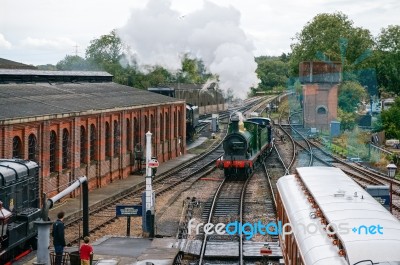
point(161, 36)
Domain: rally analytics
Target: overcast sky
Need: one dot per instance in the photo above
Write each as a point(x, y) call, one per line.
point(44, 31)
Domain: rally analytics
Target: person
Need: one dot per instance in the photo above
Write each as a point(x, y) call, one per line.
point(59, 238)
point(86, 251)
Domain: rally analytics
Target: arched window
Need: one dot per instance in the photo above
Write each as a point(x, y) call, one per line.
point(167, 125)
point(136, 128)
point(161, 128)
point(117, 141)
point(128, 135)
point(83, 144)
point(17, 147)
point(32, 147)
point(153, 130)
point(92, 142)
point(321, 110)
point(173, 122)
point(108, 140)
point(53, 149)
point(65, 149)
point(179, 124)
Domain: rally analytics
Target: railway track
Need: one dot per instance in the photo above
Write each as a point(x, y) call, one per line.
point(362, 175)
point(103, 213)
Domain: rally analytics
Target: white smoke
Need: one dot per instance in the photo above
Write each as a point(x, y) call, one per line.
point(161, 36)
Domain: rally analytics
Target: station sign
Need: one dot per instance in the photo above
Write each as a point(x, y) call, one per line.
point(128, 210)
point(153, 163)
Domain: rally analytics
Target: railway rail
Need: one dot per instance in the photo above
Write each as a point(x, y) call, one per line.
point(364, 176)
point(103, 212)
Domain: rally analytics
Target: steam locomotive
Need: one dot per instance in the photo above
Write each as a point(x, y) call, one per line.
point(19, 207)
point(244, 146)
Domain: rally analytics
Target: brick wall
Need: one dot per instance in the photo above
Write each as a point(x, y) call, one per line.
point(102, 169)
point(320, 97)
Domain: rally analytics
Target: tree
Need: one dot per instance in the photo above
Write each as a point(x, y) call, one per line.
point(331, 37)
point(272, 72)
point(391, 120)
point(72, 62)
point(350, 95)
point(347, 120)
point(158, 77)
point(388, 58)
point(105, 50)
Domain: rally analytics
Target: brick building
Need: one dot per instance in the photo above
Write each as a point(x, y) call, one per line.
point(320, 84)
point(81, 123)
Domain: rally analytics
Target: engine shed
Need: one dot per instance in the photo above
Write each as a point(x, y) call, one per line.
point(207, 97)
point(75, 123)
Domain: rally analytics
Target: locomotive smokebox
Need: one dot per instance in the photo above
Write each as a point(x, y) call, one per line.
point(234, 124)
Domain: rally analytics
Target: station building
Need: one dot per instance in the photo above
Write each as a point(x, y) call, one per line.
point(81, 123)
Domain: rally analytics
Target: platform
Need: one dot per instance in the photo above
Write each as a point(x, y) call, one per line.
point(141, 248)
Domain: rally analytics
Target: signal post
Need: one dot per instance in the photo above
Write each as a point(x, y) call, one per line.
point(149, 198)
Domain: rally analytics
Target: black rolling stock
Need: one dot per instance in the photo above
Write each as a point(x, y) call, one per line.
point(19, 194)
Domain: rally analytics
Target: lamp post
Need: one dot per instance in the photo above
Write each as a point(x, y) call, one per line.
point(391, 168)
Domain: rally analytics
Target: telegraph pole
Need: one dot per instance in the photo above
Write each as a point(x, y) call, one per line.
point(76, 49)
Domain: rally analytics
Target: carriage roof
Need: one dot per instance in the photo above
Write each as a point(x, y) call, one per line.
point(342, 202)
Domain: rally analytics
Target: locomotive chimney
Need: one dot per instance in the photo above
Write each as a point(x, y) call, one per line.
point(234, 124)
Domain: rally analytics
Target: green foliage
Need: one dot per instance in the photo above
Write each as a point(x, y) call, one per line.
point(193, 71)
point(347, 120)
point(108, 53)
point(377, 125)
point(387, 58)
point(350, 95)
point(47, 67)
point(272, 71)
point(104, 51)
point(330, 37)
point(391, 120)
point(72, 62)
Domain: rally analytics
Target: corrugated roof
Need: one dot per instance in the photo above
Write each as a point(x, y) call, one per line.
point(26, 100)
point(26, 72)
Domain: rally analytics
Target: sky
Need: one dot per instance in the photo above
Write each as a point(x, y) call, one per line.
point(226, 34)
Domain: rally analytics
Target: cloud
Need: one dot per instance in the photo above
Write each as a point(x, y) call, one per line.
point(4, 43)
point(161, 36)
point(55, 44)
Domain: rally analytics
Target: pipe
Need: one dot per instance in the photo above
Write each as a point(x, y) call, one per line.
point(44, 224)
point(68, 190)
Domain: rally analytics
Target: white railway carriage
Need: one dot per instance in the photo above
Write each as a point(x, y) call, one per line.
point(334, 221)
